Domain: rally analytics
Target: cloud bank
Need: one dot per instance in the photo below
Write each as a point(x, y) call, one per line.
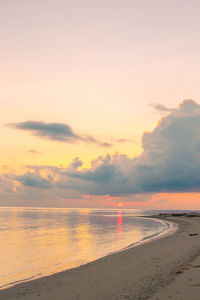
point(56, 132)
point(170, 162)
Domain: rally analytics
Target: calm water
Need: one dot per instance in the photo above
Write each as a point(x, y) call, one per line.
point(40, 241)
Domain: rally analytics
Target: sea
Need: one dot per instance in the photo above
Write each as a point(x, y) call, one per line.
point(35, 242)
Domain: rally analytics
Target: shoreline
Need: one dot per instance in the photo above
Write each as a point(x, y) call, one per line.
point(133, 273)
point(171, 227)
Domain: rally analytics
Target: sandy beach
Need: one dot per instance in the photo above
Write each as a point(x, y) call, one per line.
point(166, 268)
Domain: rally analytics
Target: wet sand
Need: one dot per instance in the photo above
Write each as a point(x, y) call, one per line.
point(166, 268)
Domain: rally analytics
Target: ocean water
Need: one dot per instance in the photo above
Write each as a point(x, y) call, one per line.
point(35, 242)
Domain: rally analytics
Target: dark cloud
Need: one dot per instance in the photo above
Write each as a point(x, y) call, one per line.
point(56, 132)
point(104, 173)
point(35, 181)
point(170, 162)
point(52, 131)
point(76, 163)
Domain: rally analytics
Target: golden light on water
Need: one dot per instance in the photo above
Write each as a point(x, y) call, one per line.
point(39, 241)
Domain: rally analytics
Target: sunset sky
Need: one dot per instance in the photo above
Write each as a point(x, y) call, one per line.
point(94, 103)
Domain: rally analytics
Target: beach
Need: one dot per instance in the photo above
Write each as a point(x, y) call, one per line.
point(165, 268)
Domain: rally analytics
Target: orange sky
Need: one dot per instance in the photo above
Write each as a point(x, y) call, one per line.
point(98, 67)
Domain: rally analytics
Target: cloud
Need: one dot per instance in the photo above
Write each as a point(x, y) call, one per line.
point(32, 151)
point(34, 180)
point(122, 140)
point(162, 201)
point(161, 107)
point(76, 163)
point(56, 132)
point(169, 163)
point(104, 173)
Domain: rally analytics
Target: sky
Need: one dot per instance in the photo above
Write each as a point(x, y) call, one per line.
point(95, 108)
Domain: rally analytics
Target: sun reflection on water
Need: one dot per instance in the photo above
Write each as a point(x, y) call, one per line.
point(119, 223)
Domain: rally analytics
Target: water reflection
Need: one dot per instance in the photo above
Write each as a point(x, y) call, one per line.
point(119, 223)
point(44, 241)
